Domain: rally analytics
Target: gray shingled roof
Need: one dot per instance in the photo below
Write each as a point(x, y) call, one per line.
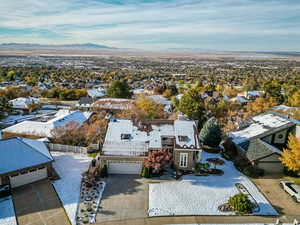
point(18, 153)
point(256, 149)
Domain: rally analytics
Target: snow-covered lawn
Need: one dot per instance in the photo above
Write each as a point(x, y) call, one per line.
point(201, 195)
point(7, 212)
point(69, 166)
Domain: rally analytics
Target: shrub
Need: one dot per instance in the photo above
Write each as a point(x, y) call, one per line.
point(253, 172)
point(145, 172)
point(241, 203)
point(290, 173)
point(103, 171)
point(199, 166)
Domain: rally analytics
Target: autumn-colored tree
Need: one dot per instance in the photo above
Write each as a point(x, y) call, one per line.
point(157, 159)
point(34, 106)
point(258, 106)
point(294, 99)
point(291, 156)
point(150, 108)
point(73, 133)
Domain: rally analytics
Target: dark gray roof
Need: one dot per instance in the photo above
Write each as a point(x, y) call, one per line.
point(17, 153)
point(85, 100)
point(257, 149)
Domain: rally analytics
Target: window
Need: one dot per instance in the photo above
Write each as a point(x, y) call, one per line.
point(125, 136)
point(183, 159)
point(183, 138)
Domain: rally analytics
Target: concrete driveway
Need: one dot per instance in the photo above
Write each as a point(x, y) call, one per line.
point(125, 197)
point(37, 204)
point(282, 201)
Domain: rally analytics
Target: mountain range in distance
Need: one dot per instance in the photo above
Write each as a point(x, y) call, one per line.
point(95, 49)
point(32, 45)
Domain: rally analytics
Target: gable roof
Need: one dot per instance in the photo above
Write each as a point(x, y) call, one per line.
point(19, 153)
point(257, 149)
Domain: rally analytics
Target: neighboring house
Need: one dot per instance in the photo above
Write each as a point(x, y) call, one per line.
point(163, 101)
point(23, 161)
point(128, 142)
point(97, 93)
point(39, 129)
point(23, 103)
point(262, 140)
point(251, 95)
point(239, 99)
point(113, 104)
point(85, 102)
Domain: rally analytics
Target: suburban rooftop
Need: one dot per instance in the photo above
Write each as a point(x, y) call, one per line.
point(141, 135)
point(260, 125)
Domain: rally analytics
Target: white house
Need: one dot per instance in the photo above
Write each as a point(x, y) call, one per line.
point(128, 142)
point(23, 103)
point(44, 128)
point(97, 93)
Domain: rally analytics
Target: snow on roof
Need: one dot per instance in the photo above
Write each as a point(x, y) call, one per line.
point(240, 99)
point(124, 135)
point(160, 99)
point(261, 124)
point(255, 93)
point(141, 91)
point(38, 145)
point(7, 211)
point(96, 93)
point(114, 103)
point(23, 102)
point(283, 108)
point(19, 153)
point(43, 129)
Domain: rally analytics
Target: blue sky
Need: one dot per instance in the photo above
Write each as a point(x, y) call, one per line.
point(246, 25)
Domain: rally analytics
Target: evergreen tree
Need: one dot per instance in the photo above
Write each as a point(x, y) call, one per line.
point(119, 89)
point(192, 104)
point(211, 133)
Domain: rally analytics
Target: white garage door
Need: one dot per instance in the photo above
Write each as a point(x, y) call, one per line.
point(29, 177)
point(124, 167)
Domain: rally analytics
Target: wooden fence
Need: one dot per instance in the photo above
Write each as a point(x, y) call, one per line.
point(67, 148)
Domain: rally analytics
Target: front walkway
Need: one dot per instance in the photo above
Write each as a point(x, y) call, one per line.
point(37, 204)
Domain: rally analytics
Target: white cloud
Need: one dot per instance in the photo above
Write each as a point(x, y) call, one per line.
point(88, 20)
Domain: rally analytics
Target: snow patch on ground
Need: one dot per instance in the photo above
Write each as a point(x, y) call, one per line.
point(69, 167)
point(7, 212)
point(201, 195)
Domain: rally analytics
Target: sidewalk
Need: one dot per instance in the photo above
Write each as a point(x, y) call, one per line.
point(194, 220)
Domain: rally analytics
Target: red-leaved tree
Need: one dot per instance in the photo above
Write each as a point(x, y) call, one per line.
point(157, 159)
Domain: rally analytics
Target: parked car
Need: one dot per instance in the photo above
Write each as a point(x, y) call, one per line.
point(292, 189)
